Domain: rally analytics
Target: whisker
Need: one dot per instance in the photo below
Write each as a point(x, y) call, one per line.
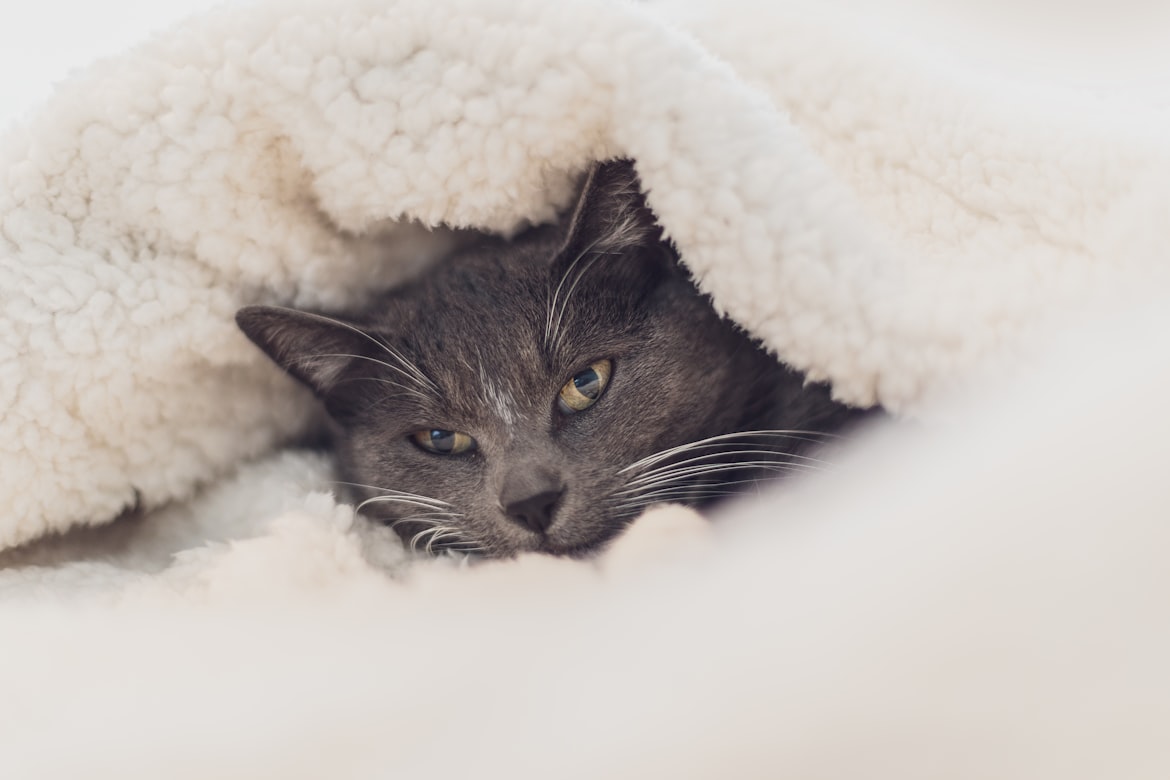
point(428, 385)
point(438, 538)
point(695, 480)
point(552, 304)
point(719, 488)
point(684, 496)
point(414, 540)
point(682, 493)
point(715, 468)
point(438, 535)
point(551, 331)
point(796, 435)
point(409, 390)
point(810, 462)
point(569, 295)
point(460, 546)
point(409, 366)
point(442, 535)
point(420, 519)
point(412, 368)
point(398, 493)
point(396, 500)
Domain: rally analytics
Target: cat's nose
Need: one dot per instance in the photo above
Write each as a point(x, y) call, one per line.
point(530, 498)
point(534, 512)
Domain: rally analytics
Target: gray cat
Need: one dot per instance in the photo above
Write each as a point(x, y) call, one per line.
point(536, 394)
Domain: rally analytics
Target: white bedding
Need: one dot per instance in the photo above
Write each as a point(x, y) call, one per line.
point(978, 594)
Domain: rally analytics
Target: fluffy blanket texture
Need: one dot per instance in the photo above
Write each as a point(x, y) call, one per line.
point(982, 594)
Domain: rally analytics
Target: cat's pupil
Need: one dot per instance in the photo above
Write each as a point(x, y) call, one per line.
point(443, 441)
point(588, 383)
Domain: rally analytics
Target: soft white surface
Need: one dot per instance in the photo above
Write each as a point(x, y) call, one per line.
point(986, 601)
point(981, 599)
point(42, 43)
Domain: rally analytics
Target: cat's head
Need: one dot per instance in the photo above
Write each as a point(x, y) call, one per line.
point(526, 394)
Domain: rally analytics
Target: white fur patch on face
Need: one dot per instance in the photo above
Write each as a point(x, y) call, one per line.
point(500, 401)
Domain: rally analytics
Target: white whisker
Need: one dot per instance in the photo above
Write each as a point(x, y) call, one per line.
point(649, 460)
point(693, 474)
point(656, 493)
point(806, 461)
point(429, 387)
point(551, 331)
point(444, 533)
point(397, 500)
point(696, 477)
point(552, 303)
point(682, 494)
point(462, 546)
point(420, 519)
point(397, 493)
point(569, 295)
point(414, 540)
point(409, 366)
point(688, 495)
point(716, 468)
point(409, 390)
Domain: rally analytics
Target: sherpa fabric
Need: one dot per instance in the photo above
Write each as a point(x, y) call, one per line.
point(979, 595)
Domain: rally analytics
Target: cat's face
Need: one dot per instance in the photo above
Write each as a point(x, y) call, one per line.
point(516, 398)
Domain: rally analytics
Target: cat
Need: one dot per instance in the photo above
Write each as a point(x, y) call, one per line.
point(536, 394)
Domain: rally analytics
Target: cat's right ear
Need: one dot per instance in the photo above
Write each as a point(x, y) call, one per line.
point(313, 348)
point(611, 215)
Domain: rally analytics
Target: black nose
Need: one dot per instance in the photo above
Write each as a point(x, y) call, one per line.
point(530, 498)
point(534, 512)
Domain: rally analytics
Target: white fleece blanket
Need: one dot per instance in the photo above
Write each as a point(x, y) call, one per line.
point(980, 596)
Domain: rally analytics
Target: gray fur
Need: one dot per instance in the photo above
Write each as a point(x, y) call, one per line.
point(483, 344)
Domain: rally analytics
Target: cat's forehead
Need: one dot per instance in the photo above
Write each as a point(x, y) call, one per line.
point(475, 325)
point(495, 328)
point(473, 302)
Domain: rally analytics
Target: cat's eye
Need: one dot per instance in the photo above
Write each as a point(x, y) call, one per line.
point(583, 390)
point(443, 442)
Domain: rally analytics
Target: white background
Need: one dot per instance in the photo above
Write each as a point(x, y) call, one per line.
point(41, 41)
point(1113, 46)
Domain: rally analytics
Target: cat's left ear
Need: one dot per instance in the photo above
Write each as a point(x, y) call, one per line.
point(611, 215)
point(311, 347)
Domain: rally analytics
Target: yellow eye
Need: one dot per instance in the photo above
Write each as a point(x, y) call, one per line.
point(443, 442)
point(583, 390)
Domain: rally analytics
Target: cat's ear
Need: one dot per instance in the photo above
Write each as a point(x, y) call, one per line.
point(311, 347)
point(611, 214)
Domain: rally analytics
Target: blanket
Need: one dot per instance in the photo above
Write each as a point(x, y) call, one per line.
point(977, 594)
